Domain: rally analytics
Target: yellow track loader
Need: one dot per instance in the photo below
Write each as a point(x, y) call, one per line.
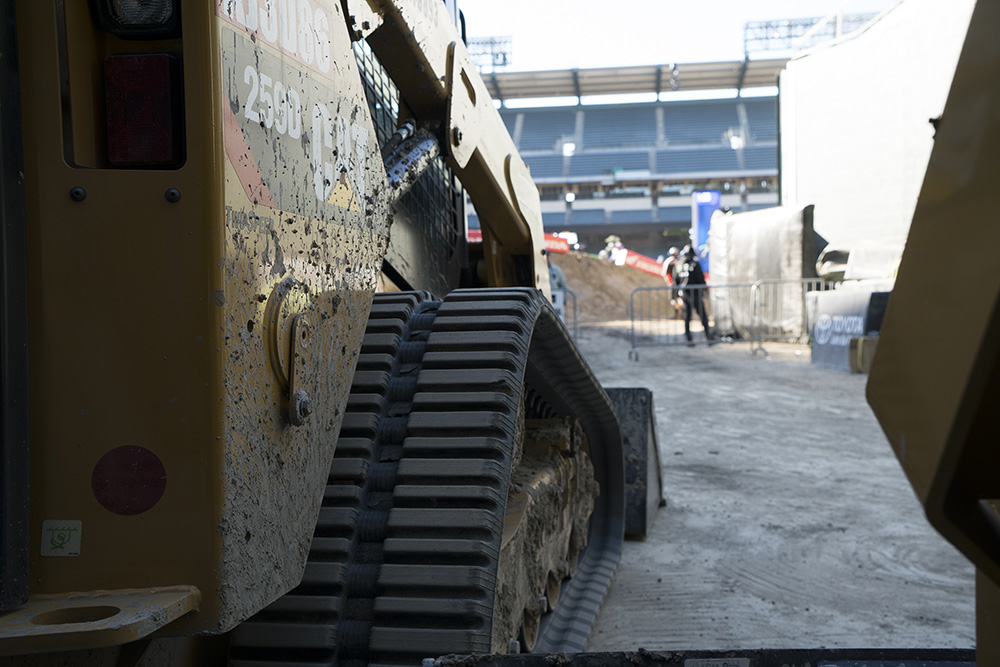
point(219, 444)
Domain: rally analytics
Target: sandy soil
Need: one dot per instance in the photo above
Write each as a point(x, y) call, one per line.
point(789, 522)
point(602, 289)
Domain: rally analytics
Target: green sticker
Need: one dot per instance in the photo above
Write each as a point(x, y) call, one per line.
point(61, 538)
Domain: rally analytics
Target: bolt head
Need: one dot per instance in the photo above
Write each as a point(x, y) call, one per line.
point(456, 136)
point(173, 195)
point(301, 408)
point(77, 194)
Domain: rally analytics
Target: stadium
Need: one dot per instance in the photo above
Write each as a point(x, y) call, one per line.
point(783, 127)
point(334, 424)
point(629, 169)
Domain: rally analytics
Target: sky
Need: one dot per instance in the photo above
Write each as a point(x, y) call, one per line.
point(546, 34)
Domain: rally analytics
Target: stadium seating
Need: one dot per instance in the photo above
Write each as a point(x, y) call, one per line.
point(619, 126)
point(602, 164)
point(630, 215)
point(553, 220)
point(674, 214)
point(762, 114)
point(704, 160)
point(623, 150)
point(587, 216)
point(761, 157)
point(542, 128)
point(693, 138)
point(705, 122)
point(545, 166)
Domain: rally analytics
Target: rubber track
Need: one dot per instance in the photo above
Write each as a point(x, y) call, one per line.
point(403, 561)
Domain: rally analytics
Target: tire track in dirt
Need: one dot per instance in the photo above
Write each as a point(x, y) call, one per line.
point(789, 522)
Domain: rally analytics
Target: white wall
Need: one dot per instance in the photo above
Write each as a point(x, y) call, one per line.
point(854, 121)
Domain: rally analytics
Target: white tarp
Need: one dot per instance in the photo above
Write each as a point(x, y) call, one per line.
point(770, 244)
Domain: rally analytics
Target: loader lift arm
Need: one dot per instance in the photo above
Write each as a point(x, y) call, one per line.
point(427, 60)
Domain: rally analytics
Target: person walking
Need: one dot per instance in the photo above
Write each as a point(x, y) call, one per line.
point(669, 273)
point(688, 273)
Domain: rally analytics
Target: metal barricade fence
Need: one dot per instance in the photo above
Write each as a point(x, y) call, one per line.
point(766, 310)
point(779, 310)
point(576, 320)
point(673, 316)
point(559, 298)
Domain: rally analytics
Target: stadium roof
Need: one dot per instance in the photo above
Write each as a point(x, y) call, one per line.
point(736, 74)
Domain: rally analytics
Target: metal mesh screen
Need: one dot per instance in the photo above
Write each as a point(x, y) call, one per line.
point(435, 202)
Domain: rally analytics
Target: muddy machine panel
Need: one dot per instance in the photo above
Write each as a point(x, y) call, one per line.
point(197, 298)
point(935, 381)
point(13, 335)
point(208, 192)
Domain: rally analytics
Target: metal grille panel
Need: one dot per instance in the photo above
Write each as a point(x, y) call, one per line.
point(435, 202)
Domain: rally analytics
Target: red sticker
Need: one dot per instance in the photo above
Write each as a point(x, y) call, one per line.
point(129, 480)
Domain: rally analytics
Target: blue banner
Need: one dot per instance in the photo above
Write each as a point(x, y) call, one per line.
point(703, 204)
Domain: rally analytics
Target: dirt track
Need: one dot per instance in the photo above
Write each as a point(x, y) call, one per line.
point(789, 524)
point(602, 289)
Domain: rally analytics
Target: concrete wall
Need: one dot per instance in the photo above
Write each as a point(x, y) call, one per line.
point(854, 121)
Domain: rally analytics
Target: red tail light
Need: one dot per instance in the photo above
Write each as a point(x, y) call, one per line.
point(145, 111)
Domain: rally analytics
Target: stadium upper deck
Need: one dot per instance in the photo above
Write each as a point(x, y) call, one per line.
point(689, 140)
point(628, 169)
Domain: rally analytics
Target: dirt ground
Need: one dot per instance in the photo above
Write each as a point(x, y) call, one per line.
point(602, 289)
point(789, 522)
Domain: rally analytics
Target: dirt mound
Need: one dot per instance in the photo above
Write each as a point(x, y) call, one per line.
point(602, 289)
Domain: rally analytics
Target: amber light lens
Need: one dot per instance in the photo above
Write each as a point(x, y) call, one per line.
point(145, 113)
point(139, 19)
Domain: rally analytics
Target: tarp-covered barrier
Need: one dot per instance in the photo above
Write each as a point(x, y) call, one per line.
point(770, 244)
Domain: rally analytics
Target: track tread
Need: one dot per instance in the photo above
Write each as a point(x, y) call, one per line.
point(417, 490)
